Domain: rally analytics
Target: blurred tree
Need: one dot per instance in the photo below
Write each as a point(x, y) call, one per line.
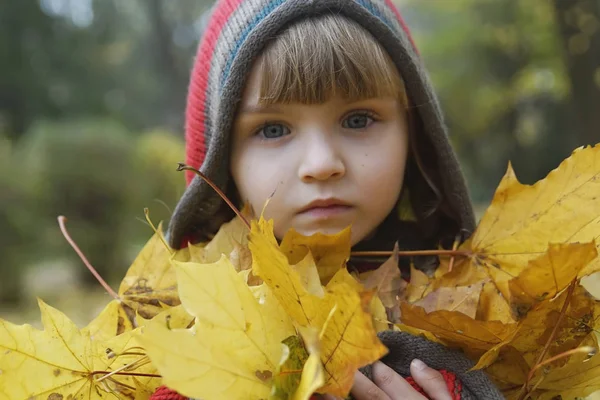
point(579, 27)
point(128, 60)
point(502, 80)
point(97, 174)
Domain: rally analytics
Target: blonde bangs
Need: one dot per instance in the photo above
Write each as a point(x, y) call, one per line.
point(319, 58)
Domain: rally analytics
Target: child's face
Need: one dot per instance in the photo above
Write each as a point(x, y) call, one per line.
point(329, 165)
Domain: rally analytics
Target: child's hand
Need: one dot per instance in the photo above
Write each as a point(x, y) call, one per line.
point(388, 385)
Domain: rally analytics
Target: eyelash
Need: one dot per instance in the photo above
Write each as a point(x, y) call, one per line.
point(362, 113)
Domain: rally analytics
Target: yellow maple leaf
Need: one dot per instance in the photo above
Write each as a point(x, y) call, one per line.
point(312, 373)
point(546, 276)
point(582, 315)
point(112, 321)
point(493, 306)
point(348, 338)
point(230, 235)
point(459, 330)
point(522, 219)
point(522, 351)
point(330, 252)
point(150, 284)
point(301, 354)
point(63, 362)
point(234, 348)
point(579, 377)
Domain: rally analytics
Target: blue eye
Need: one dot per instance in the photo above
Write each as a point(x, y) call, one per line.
point(357, 121)
point(273, 131)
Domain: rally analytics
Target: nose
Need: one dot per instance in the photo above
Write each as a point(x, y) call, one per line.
point(322, 159)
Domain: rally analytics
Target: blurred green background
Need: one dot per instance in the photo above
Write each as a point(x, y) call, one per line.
point(92, 97)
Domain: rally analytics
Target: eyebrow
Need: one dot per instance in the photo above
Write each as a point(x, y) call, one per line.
point(260, 109)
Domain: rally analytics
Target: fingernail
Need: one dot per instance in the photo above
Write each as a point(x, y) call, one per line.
point(418, 364)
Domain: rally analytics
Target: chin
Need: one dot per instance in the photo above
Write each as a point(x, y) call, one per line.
point(326, 230)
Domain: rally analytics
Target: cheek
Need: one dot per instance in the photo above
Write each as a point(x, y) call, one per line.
point(384, 163)
point(254, 177)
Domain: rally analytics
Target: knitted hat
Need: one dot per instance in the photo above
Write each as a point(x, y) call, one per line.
point(236, 32)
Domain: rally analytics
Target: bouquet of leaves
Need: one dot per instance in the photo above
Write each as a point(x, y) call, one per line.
point(246, 317)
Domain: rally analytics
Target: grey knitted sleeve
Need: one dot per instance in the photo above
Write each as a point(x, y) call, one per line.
point(403, 348)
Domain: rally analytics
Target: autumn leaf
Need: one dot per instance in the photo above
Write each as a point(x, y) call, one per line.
point(387, 281)
point(493, 306)
point(522, 219)
point(286, 379)
point(173, 318)
point(348, 338)
point(313, 376)
point(579, 377)
point(301, 371)
point(63, 362)
point(463, 299)
point(549, 274)
point(458, 330)
point(330, 252)
point(150, 284)
point(582, 315)
point(378, 311)
point(273, 267)
point(234, 348)
point(232, 236)
point(463, 273)
point(112, 321)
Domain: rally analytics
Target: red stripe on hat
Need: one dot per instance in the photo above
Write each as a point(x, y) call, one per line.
point(393, 7)
point(194, 124)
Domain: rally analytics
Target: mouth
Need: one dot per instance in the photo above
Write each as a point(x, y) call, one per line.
point(324, 208)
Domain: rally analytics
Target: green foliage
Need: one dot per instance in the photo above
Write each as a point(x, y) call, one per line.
point(97, 174)
point(500, 72)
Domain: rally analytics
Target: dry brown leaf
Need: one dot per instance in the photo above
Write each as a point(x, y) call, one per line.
point(387, 281)
point(463, 299)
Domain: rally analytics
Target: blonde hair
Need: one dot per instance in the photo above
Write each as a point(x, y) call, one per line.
point(318, 58)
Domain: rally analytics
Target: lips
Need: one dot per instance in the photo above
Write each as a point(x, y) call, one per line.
point(325, 207)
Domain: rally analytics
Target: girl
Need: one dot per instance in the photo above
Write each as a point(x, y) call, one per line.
point(325, 105)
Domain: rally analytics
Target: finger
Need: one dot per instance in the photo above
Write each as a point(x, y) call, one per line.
point(392, 384)
point(430, 380)
point(364, 389)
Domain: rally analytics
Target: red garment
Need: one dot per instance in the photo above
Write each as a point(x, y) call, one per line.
point(164, 393)
point(454, 386)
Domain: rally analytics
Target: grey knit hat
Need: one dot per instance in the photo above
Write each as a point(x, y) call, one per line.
point(236, 32)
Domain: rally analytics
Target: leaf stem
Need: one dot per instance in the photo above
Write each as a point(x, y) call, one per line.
point(452, 253)
point(126, 374)
point(563, 311)
point(136, 364)
point(184, 167)
point(160, 236)
point(454, 247)
point(61, 222)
